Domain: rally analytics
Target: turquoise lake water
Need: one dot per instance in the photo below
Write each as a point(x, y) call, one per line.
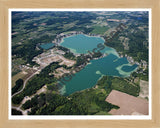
point(47, 46)
point(81, 43)
point(129, 68)
point(111, 64)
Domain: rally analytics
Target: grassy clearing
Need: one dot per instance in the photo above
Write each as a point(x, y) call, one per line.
point(16, 77)
point(94, 108)
point(15, 65)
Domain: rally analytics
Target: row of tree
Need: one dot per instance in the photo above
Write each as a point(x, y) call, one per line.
point(117, 83)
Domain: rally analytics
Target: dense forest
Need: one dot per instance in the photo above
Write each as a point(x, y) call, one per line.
point(26, 52)
point(138, 45)
point(38, 81)
point(86, 102)
point(18, 86)
point(15, 112)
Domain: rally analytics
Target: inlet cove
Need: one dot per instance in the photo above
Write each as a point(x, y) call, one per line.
point(111, 65)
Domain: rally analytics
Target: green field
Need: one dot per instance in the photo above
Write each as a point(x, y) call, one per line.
point(99, 30)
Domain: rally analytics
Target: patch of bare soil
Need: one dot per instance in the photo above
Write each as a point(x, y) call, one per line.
point(144, 89)
point(129, 105)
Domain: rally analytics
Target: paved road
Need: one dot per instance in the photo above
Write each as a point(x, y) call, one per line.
point(24, 84)
point(24, 112)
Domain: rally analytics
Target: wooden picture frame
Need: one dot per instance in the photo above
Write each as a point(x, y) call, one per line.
point(4, 62)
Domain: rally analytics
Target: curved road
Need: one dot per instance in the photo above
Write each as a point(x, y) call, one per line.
point(24, 84)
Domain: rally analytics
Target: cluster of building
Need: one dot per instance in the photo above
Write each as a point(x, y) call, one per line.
point(52, 55)
point(143, 64)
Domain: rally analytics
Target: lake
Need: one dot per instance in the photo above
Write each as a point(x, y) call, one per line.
point(47, 46)
point(81, 43)
point(111, 64)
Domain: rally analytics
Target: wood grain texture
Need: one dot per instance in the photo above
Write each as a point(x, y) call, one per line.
point(6, 4)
